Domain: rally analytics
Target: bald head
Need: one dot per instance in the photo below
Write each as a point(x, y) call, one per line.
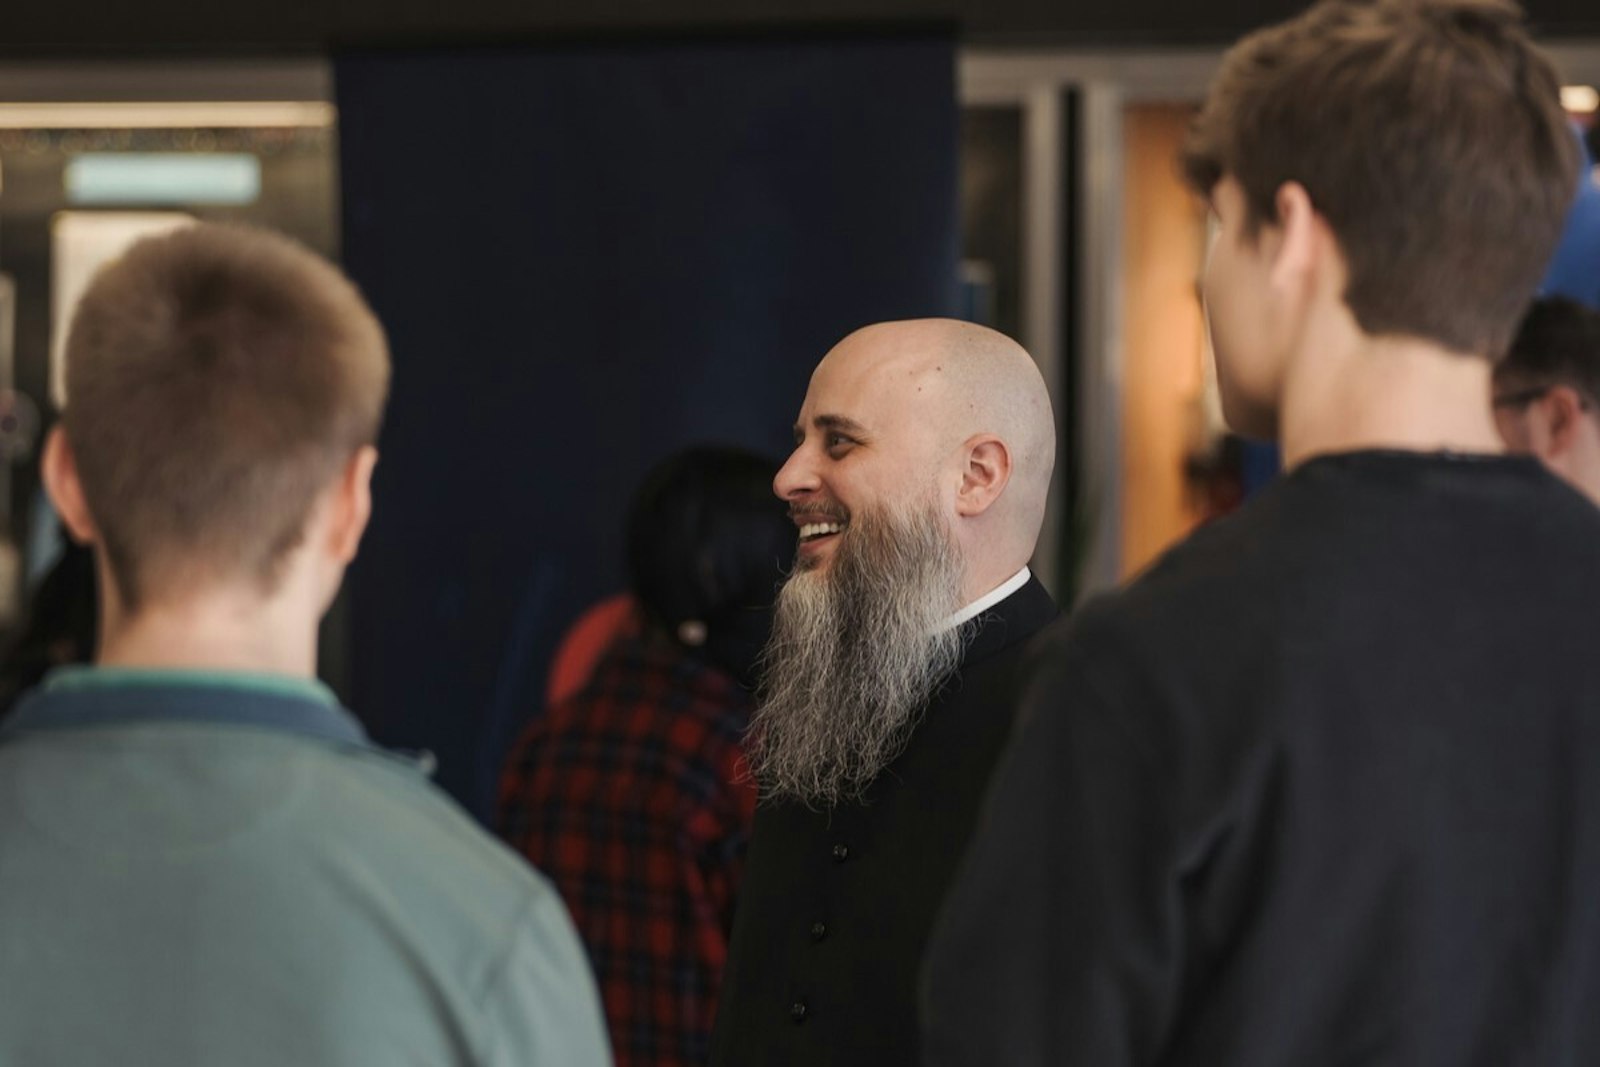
point(933, 401)
point(967, 380)
point(918, 480)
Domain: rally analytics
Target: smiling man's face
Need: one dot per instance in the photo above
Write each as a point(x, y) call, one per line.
point(859, 642)
point(868, 439)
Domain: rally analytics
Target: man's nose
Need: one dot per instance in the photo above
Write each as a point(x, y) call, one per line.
point(796, 477)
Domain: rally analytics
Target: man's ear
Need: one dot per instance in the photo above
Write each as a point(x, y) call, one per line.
point(59, 468)
point(352, 504)
point(986, 469)
point(1562, 411)
point(1298, 237)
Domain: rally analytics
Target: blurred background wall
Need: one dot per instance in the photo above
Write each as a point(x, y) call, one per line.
point(649, 246)
point(599, 232)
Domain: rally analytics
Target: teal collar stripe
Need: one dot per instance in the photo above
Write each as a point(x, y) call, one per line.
point(78, 679)
point(88, 697)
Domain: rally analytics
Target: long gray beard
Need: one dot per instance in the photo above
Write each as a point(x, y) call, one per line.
point(857, 652)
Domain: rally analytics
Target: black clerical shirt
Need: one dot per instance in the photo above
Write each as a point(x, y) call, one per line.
point(1323, 788)
point(836, 905)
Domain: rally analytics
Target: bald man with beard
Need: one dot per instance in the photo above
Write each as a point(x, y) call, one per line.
point(922, 461)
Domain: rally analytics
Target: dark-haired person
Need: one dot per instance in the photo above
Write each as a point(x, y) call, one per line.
point(922, 461)
point(61, 625)
point(203, 860)
point(1546, 390)
point(632, 794)
point(1323, 787)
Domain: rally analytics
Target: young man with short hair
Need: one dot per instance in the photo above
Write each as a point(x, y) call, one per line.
point(1546, 390)
point(203, 860)
point(1323, 787)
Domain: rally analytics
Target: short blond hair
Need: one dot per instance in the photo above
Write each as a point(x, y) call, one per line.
point(218, 378)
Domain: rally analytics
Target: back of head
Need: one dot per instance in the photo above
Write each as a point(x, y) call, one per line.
point(1557, 344)
point(999, 389)
point(1430, 136)
point(707, 547)
point(218, 378)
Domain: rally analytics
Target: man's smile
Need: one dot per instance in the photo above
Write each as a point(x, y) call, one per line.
point(814, 530)
point(819, 528)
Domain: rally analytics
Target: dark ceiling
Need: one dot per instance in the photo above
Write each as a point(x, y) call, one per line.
point(123, 28)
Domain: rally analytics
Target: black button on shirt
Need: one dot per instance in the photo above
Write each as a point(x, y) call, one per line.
point(819, 931)
point(841, 853)
point(797, 1011)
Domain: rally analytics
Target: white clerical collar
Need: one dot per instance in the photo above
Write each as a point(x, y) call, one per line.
point(989, 600)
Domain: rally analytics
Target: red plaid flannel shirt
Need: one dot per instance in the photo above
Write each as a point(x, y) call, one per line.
point(632, 798)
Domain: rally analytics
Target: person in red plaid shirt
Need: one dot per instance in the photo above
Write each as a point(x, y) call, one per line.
point(632, 795)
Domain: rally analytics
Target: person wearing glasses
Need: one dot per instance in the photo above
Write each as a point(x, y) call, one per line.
point(1545, 391)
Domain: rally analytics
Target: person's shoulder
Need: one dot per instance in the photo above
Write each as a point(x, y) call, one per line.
point(386, 811)
point(486, 922)
point(1248, 572)
point(1560, 511)
point(1219, 563)
point(1548, 543)
point(1209, 600)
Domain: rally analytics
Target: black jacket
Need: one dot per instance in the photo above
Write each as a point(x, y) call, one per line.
point(1321, 790)
point(835, 906)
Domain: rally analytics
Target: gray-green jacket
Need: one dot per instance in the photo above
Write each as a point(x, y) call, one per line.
point(222, 870)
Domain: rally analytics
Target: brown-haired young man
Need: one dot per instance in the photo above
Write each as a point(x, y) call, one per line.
point(1546, 390)
point(1323, 787)
point(204, 860)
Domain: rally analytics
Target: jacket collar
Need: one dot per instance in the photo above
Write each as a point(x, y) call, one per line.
point(78, 700)
point(1016, 618)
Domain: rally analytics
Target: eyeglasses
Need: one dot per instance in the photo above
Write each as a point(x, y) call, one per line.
point(1519, 398)
point(1522, 397)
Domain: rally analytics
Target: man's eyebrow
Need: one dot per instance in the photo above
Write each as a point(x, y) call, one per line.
point(831, 422)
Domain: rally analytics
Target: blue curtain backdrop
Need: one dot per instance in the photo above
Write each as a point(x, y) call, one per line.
point(586, 258)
